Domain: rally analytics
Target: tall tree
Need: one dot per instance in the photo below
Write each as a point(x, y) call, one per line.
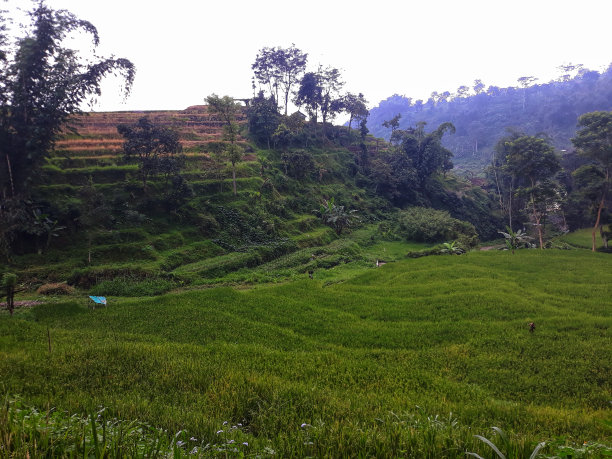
point(42, 83)
point(280, 70)
point(227, 109)
point(504, 180)
point(594, 140)
point(355, 106)
point(463, 91)
point(266, 71)
point(331, 83)
point(309, 94)
point(425, 151)
point(292, 64)
point(478, 87)
point(533, 160)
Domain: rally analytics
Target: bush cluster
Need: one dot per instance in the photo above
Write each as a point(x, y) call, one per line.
point(428, 225)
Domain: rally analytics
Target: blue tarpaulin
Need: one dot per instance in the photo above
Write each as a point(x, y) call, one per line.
point(99, 299)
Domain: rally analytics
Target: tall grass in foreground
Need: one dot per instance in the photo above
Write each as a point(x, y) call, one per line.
point(28, 432)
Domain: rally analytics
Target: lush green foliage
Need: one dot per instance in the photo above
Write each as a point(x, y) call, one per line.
point(335, 216)
point(42, 82)
point(365, 364)
point(523, 169)
point(482, 114)
point(279, 69)
point(430, 225)
point(594, 141)
point(516, 239)
point(154, 148)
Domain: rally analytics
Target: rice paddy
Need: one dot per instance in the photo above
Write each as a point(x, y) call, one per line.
point(410, 359)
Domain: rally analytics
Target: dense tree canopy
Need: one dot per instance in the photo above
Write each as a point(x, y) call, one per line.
point(263, 118)
point(594, 141)
point(42, 83)
point(425, 150)
point(483, 114)
point(355, 106)
point(279, 70)
point(531, 163)
point(309, 94)
point(153, 147)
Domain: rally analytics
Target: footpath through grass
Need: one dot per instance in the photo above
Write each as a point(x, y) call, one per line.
point(410, 359)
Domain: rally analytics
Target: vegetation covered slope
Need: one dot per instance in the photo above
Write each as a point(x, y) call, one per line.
point(411, 359)
point(114, 231)
point(97, 227)
point(482, 115)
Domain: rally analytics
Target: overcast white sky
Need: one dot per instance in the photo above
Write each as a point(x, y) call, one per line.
point(185, 50)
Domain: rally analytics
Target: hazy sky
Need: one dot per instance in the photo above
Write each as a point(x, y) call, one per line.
point(185, 50)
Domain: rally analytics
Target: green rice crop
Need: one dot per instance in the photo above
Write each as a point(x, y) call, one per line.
point(411, 359)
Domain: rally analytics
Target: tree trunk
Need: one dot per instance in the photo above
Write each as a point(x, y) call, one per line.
point(599, 209)
point(10, 174)
point(510, 202)
point(537, 220)
point(286, 100)
point(234, 178)
point(501, 200)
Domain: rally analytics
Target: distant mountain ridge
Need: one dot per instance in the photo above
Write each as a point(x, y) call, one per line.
point(483, 118)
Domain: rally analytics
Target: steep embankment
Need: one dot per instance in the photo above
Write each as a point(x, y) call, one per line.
point(120, 239)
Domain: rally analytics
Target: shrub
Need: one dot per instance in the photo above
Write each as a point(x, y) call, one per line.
point(428, 225)
point(55, 289)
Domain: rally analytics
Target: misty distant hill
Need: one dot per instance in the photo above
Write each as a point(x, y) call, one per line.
point(483, 115)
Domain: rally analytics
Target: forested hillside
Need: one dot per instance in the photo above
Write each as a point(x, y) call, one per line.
point(483, 115)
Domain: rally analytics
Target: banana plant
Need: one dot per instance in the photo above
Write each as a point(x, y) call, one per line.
point(515, 240)
point(452, 248)
point(335, 216)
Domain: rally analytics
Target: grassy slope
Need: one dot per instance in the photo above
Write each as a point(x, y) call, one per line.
point(367, 362)
point(583, 238)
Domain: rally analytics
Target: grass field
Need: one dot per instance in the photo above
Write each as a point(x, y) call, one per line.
point(583, 238)
point(411, 359)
